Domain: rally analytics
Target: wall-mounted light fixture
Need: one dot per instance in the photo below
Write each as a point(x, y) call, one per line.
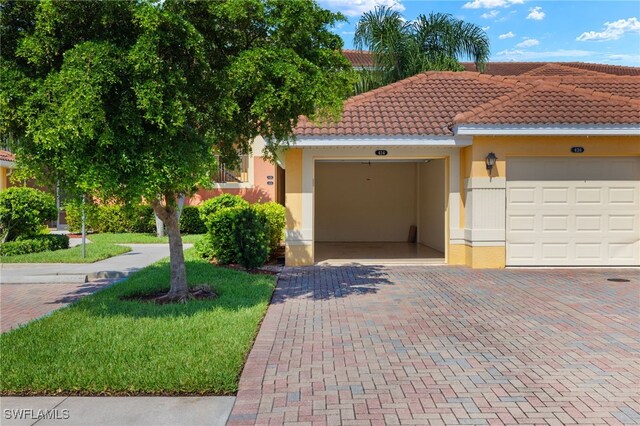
point(491, 161)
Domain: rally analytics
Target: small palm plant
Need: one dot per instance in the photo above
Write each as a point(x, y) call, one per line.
point(404, 48)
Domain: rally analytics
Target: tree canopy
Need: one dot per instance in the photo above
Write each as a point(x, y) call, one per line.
point(126, 99)
point(404, 48)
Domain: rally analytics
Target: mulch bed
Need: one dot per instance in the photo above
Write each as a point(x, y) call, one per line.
point(202, 292)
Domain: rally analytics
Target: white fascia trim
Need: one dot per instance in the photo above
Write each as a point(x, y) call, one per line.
point(7, 164)
point(381, 141)
point(547, 130)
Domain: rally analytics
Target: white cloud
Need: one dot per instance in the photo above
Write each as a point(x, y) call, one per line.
point(358, 7)
point(612, 30)
point(490, 4)
point(507, 35)
point(625, 58)
point(490, 15)
point(529, 42)
point(536, 14)
point(523, 55)
point(487, 28)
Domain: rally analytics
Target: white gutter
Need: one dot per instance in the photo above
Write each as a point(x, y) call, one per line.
point(382, 141)
point(547, 130)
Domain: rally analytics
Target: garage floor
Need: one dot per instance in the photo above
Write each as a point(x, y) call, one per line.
point(376, 252)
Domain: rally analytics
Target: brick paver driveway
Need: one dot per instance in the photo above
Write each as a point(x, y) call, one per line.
point(446, 345)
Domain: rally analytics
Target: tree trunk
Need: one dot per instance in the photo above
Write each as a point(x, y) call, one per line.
point(179, 290)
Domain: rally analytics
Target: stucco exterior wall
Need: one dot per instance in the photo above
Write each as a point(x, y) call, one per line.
point(483, 196)
point(257, 190)
point(431, 198)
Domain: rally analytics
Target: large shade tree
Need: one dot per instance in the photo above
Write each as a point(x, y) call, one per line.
point(402, 48)
point(134, 100)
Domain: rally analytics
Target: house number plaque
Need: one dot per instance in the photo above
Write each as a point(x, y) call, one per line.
point(577, 149)
point(381, 152)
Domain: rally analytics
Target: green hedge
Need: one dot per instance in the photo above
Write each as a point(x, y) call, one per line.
point(239, 235)
point(24, 212)
point(276, 221)
point(38, 243)
point(110, 218)
point(191, 222)
point(224, 201)
point(238, 232)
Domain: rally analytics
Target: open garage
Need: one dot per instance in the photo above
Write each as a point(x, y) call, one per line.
point(373, 211)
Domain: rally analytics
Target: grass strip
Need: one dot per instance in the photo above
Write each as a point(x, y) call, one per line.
point(103, 345)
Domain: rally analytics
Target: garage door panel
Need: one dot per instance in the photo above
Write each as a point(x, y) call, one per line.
point(584, 217)
point(589, 196)
point(588, 223)
point(622, 223)
point(589, 251)
point(625, 195)
point(555, 223)
point(522, 196)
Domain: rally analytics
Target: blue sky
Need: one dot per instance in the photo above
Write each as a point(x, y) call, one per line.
point(529, 30)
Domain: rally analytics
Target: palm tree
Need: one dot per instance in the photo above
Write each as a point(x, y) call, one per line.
point(401, 48)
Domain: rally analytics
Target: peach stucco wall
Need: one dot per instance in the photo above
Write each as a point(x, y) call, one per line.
point(258, 192)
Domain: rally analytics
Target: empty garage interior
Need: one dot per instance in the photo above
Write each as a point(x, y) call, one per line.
point(364, 211)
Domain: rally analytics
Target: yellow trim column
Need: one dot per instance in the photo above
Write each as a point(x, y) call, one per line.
point(298, 252)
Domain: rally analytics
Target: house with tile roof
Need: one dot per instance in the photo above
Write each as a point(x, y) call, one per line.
point(532, 165)
point(7, 164)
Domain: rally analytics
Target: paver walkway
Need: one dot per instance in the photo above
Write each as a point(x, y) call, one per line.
point(446, 345)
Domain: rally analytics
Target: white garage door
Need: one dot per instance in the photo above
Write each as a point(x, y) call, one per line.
point(573, 211)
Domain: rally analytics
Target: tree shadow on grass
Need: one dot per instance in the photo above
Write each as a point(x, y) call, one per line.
point(236, 290)
point(330, 282)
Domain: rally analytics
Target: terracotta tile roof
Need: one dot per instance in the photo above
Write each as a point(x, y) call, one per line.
point(359, 58)
point(6, 156)
point(621, 86)
point(551, 102)
point(432, 102)
point(605, 68)
point(420, 105)
point(518, 68)
point(558, 70)
point(504, 68)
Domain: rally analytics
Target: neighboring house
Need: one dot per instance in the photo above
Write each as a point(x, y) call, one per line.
point(7, 164)
point(564, 189)
point(257, 180)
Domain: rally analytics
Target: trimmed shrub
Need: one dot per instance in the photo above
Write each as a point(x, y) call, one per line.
point(38, 243)
point(24, 212)
point(74, 216)
point(204, 247)
point(276, 221)
point(239, 235)
point(140, 218)
point(213, 205)
point(110, 217)
point(191, 222)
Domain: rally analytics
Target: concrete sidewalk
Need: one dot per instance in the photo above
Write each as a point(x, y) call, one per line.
point(140, 256)
point(117, 411)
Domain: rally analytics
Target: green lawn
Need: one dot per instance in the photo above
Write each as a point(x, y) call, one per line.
point(133, 238)
point(102, 246)
point(105, 346)
point(95, 252)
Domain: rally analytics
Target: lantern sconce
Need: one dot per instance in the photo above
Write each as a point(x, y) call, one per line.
point(490, 160)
